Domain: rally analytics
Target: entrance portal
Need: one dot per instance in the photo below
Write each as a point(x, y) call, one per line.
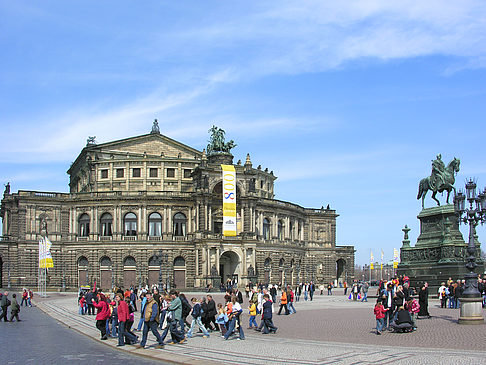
point(341, 270)
point(229, 266)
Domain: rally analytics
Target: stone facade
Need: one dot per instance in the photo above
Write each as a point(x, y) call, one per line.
point(149, 208)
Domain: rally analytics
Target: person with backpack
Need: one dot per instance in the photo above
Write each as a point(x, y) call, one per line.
point(175, 318)
point(290, 300)
point(234, 319)
point(197, 313)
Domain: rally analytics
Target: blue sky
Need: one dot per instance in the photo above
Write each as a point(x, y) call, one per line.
point(347, 102)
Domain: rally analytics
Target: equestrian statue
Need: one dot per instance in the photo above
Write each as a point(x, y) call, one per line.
point(217, 142)
point(441, 179)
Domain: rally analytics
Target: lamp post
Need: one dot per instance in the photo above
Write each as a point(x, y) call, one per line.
point(159, 257)
point(471, 301)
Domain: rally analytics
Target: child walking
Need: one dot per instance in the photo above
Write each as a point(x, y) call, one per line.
point(222, 319)
point(253, 313)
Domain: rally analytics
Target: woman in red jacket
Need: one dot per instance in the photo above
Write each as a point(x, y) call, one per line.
point(102, 315)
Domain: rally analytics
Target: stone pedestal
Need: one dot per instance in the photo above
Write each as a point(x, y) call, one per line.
point(440, 250)
point(471, 311)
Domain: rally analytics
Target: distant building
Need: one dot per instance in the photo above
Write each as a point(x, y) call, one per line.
point(148, 208)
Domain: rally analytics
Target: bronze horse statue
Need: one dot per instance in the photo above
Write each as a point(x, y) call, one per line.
point(442, 179)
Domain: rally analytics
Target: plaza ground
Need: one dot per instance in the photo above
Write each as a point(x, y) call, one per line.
point(329, 330)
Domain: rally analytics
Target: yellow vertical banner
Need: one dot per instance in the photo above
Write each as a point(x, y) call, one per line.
point(45, 257)
point(229, 200)
point(372, 266)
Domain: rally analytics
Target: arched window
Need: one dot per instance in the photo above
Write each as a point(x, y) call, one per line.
point(281, 263)
point(266, 229)
point(83, 261)
point(106, 224)
point(129, 261)
point(155, 224)
point(84, 225)
point(180, 224)
point(154, 261)
point(130, 224)
point(179, 261)
point(267, 262)
point(105, 261)
point(280, 229)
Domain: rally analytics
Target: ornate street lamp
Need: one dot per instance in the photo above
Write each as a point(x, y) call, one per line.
point(471, 301)
point(159, 257)
point(165, 261)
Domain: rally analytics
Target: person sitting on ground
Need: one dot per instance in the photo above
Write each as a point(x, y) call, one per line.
point(403, 322)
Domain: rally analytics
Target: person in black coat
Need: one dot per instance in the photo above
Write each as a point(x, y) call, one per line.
point(424, 301)
point(268, 326)
point(403, 321)
point(212, 312)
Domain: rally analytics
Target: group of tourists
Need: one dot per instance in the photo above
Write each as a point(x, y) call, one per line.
point(449, 292)
point(14, 305)
point(169, 313)
point(396, 309)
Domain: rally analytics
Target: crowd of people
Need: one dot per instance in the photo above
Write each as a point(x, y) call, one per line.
point(14, 305)
point(449, 292)
point(168, 312)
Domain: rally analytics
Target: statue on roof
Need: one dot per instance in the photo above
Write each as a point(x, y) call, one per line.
point(155, 127)
point(217, 141)
point(91, 141)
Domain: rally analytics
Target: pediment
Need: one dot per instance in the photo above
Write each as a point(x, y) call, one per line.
point(150, 145)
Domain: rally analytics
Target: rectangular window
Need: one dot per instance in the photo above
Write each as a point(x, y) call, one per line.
point(104, 174)
point(136, 172)
point(170, 172)
point(261, 184)
point(120, 172)
point(153, 172)
point(187, 173)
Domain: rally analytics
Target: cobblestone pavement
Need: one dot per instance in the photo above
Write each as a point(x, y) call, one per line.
point(39, 339)
point(329, 330)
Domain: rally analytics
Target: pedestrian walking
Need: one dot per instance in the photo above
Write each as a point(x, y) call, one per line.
point(15, 309)
point(175, 309)
point(123, 317)
point(196, 313)
point(268, 326)
point(4, 303)
point(102, 315)
point(151, 318)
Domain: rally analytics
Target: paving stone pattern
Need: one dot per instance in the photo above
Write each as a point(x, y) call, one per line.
point(329, 330)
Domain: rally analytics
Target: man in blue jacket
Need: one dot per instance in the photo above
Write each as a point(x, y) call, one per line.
point(267, 316)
